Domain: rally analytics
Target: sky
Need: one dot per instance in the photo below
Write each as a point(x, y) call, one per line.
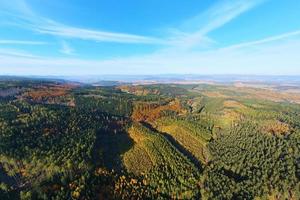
point(102, 37)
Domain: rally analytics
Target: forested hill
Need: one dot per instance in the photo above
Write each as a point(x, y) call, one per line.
point(60, 140)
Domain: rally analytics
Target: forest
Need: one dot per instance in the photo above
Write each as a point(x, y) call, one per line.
point(64, 140)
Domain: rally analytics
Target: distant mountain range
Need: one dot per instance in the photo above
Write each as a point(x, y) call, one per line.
point(109, 80)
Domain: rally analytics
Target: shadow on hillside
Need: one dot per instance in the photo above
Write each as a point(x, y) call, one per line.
point(110, 147)
point(178, 146)
point(6, 179)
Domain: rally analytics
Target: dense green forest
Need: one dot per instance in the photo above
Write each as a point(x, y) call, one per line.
point(63, 140)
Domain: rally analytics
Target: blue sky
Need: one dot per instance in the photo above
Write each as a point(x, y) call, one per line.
point(79, 37)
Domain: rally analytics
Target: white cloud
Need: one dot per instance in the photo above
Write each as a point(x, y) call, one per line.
point(220, 14)
point(272, 55)
point(22, 42)
point(200, 25)
point(16, 52)
point(66, 49)
point(23, 16)
point(266, 40)
point(194, 31)
point(54, 28)
point(279, 56)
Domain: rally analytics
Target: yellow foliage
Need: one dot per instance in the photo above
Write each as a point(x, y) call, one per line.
point(137, 160)
point(182, 135)
point(276, 127)
point(233, 104)
point(75, 194)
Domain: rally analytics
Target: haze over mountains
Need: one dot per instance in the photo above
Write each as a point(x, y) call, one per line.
point(174, 78)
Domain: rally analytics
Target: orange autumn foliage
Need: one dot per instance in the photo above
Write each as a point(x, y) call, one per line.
point(276, 127)
point(49, 91)
point(149, 112)
point(52, 93)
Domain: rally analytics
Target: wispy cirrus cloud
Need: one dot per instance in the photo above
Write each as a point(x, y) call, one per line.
point(218, 15)
point(22, 42)
point(266, 40)
point(17, 53)
point(57, 29)
point(66, 49)
point(194, 31)
point(272, 56)
point(23, 16)
point(178, 55)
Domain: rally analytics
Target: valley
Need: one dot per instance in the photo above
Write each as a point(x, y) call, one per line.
point(66, 140)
